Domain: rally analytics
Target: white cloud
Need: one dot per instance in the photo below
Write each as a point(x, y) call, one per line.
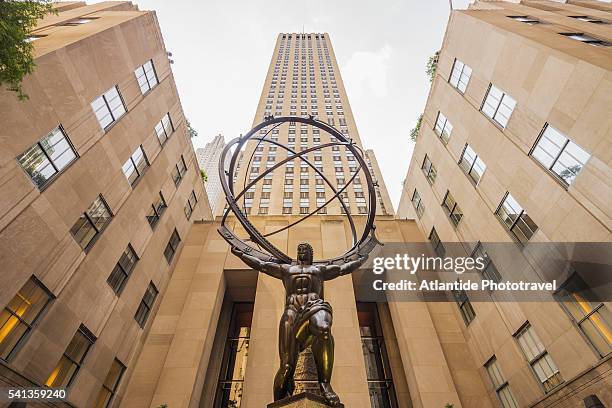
point(365, 73)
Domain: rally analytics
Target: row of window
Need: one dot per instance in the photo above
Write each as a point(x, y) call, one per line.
point(592, 318)
point(509, 212)
point(54, 152)
point(553, 150)
point(96, 218)
point(19, 316)
point(578, 36)
point(27, 306)
point(110, 106)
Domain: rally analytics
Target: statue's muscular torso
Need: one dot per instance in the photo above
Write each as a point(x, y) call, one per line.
point(302, 283)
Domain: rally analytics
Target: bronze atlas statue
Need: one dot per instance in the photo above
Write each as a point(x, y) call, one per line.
point(307, 317)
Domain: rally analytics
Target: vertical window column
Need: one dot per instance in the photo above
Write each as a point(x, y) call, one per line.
point(235, 355)
point(378, 370)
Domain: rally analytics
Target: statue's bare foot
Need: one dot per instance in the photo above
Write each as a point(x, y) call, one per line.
point(329, 394)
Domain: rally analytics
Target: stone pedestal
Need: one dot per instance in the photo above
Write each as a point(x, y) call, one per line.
point(303, 400)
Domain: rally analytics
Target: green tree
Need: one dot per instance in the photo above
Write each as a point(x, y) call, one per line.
point(17, 20)
point(432, 64)
point(192, 132)
point(204, 176)
point(415, 131)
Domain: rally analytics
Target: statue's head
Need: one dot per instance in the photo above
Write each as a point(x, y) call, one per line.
point(305, 253)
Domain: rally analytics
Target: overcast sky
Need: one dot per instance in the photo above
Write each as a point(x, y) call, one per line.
point(222, 49)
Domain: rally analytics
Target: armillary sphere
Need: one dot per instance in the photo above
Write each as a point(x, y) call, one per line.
point(363, 243)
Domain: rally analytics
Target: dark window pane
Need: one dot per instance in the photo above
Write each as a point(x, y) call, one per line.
point(83, 231)
point(146, 304)
point(117, 278)
point(70, 362)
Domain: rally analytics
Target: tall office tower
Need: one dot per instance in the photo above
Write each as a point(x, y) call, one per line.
point(208, 160)
point(514, 148)
point(214, 341)
point(304, 79)
point(99, 186)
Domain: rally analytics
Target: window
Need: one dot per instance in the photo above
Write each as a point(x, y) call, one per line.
point(460, 75)
point(500, 384)
point(489, 271)
point(587, 39)
point(417, 203)
point(179, 171)
point(164, 128)
point(471, 164)
point(190, 205)
point(77, 21)
point(378, 369)
point(156, 211)
point(122, 270)
point(34, 37)
point(452, 209)
point(48, 157)
point(135, 166)
point(437, 244)
point(559, 155)
point(515, 219)
point(526, 19)
point(498, 105)
point(91, 224)
point(593, 318)
point(146, 77)
point(108, 107)
point(20, 314)
point(235, 355)
point(540, 361)
point(69, 364)
point(172, 246)
point(110, 384)
point(146, 304)
point(589, 19)
point(465, 307)
point(443, 128)
point(429, 170)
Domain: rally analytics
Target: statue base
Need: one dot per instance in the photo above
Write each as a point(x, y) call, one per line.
point(303, 400)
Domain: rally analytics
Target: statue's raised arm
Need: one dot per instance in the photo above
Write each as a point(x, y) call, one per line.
point(269, 268)
point(333, 271)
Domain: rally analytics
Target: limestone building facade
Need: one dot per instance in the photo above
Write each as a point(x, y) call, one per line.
point(513, 156)
point(99, 186)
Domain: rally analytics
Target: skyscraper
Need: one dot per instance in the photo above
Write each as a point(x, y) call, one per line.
point(99, 186)
point(304, 79)
point(513, 150)
point(208, 160)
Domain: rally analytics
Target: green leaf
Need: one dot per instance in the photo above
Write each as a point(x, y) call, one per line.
point(17, 21)
point(192, 132)
point(415, 131)
point(432, 65)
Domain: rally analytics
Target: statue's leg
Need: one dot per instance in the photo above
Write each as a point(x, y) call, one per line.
point(323, 351)
point(288, 356)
